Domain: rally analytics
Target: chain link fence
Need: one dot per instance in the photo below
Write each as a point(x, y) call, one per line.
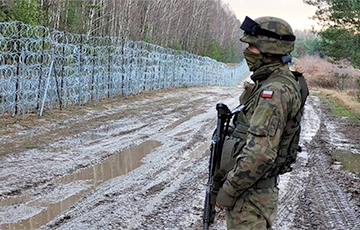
point(42, 68)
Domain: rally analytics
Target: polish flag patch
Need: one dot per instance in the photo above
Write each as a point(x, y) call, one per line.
point(267, 94)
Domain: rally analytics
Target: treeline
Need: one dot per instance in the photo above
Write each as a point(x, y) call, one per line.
point(207, 28)
point(340, 32)
point(307, 43)
point(338, 41)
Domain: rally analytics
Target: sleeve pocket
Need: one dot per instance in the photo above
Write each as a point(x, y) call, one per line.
point(263, 122)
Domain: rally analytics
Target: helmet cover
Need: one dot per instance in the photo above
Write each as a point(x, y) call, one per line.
point(269, 34)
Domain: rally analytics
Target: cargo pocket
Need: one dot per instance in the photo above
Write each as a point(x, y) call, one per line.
point(266, 201)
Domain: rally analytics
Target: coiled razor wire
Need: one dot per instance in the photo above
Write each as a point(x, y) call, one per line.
point(42, 68)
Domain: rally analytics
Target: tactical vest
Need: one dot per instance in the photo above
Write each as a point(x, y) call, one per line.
point(289, 144)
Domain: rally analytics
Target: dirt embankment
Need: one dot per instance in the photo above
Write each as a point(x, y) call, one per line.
point(142, 164)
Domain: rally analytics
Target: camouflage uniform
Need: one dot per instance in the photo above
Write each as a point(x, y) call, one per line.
point(250, 192)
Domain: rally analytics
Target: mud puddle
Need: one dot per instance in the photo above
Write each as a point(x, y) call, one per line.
point(67, 190)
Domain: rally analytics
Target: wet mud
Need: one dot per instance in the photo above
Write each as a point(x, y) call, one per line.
point(143, 165)
point(91, 177)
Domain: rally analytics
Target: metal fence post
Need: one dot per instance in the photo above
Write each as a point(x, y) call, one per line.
point(93, 65)
point(46, 87)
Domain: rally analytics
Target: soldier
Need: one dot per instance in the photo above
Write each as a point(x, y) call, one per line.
point(266, 132)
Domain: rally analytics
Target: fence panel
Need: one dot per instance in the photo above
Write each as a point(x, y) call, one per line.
point(42, 68)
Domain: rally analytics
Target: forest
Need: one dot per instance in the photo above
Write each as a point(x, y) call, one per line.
point(202, 27)
point(207, 28)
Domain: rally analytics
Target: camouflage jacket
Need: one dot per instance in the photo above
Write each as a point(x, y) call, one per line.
point(267, 111)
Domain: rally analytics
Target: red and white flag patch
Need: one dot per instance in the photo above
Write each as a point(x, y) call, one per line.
point(267, 94)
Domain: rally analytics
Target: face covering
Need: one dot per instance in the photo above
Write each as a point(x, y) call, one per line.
point(253, 60)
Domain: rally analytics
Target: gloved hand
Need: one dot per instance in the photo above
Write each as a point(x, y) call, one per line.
point(223, 200)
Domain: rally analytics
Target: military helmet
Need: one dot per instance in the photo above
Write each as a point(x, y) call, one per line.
point(269, 34)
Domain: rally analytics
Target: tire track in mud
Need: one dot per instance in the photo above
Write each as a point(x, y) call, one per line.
point(169, 204)
point(312, 197)
point(324, 205)
point(97, 128)
point(174, 191)
point(151, 117)
point(167, 191)
point(292, 184)
point(330, 206)
point(177, 205)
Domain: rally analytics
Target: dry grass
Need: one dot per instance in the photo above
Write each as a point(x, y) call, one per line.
point(346, 98)
point(339, 81)
point(319, 72)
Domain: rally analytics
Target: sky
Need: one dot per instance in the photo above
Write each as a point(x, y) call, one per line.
point(295, 12)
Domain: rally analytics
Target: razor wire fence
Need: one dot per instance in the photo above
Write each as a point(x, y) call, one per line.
point(42, 68)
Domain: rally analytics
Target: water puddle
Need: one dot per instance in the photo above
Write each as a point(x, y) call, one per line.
point(76, 185)
point(350, 161)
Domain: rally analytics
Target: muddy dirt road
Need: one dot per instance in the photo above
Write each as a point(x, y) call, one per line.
point(141, 163)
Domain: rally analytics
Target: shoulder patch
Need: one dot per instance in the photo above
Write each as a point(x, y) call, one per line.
point(267, 94)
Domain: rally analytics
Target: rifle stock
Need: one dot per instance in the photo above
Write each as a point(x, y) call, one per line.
point(224, 115)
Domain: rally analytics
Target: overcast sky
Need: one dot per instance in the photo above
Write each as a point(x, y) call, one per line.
point(295, 12)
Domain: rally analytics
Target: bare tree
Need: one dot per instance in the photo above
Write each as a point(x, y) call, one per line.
point(183, 24)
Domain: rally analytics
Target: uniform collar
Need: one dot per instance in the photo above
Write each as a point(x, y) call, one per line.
point(265, 71)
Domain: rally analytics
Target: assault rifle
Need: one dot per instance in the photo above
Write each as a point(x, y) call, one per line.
point(224, 116)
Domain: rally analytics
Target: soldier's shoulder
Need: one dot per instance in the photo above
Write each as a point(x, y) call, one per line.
point(275, 83)
point(284, 78)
